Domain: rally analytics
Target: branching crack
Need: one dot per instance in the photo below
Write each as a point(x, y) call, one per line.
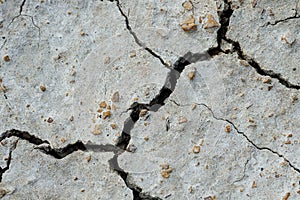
point(8, 160)
point(21, 14)
point(244, 135)
point(136, 108)
point(154, 105)
point(224, 18)
point(60, 153)
point(250, 141)
point(137, 40)
point(244, 171)
point(136, 191)
point(158, 101)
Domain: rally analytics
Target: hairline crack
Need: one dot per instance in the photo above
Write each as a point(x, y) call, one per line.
point(245, 136)
point(136, 39)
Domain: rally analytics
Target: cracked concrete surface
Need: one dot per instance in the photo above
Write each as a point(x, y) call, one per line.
point(149, 100)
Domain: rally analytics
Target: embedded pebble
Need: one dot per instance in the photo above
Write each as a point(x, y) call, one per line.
point(6, 58)
point(210, 198)
point(189, 24)
point(227, 129)
point(113, 126)
point(3, 88)
point(115, 97)
point(88, 158)
point(131, 148)
point(143, 112)
point(132, 54)
point(97, 129)
point(102, 104)
point(182, 120)
point(193, 107)
point(106, 60)
point(267, 80)
point(191, 75)
point(187, 5)
point(42, 88)
point(166, 170)
point(210, 22)
point(254, 184)
point(196, 149)
point(106, 114)
point(286, 196)
point(50, 120)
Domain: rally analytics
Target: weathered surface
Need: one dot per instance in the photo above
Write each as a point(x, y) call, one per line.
point(78, 176)
point(159, 24)
point(149, 100)
point(269, 32)
point(228, 161)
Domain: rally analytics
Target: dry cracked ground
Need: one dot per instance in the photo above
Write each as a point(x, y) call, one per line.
point(150, 100)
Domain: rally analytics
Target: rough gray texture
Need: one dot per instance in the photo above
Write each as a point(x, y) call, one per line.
point(228, 163)
point(149, 100)
point(269, 32)
point(70, 178)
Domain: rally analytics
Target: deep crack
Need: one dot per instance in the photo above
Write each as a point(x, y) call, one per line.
point(158, 101)
point(59, 153)
point(260, 70)
point(154, 105)
point(8, 160)
point(24, 135)
point(136, 191)
point(21, 7)
point(224, 19)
